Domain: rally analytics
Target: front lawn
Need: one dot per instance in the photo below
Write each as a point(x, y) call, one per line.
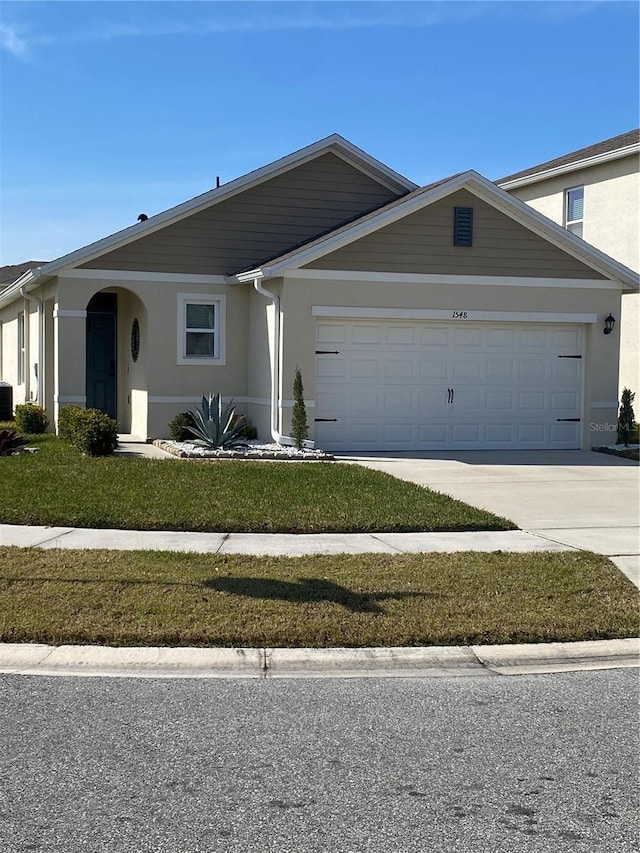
point(58, 486)
point(159, 598)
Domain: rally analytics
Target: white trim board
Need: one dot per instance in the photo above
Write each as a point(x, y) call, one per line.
point(254, 401)
point(67, 312)
point(365, 277)
point(143, 276)
point(339, 311)
point(65, 398)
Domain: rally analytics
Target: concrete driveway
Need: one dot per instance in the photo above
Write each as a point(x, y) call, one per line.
point(575, 497)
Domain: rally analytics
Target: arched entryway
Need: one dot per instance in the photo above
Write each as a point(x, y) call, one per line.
point(102, 341)
point(116, 364)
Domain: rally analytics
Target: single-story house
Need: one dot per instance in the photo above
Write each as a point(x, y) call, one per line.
point(450, 316)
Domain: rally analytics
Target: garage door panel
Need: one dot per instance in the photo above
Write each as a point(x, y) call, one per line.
point(532, 368)
point(330, 333)
point(501, 434)
point(433, 368)
point(390, 387)
point(366, 335)
point(467, 369)
point(432, 434)
point(401, 335)
point(566, 368)
point(400, 368)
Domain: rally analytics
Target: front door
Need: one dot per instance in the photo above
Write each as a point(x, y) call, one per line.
point(101, 353)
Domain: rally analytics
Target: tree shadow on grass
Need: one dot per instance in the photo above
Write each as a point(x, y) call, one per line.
point(309, 591)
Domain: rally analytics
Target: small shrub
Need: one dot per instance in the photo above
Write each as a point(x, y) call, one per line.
point(31, 419)
point(626, 418)
point(299, 426)
point(179, 427)
point(10, 442)
point(249, 431)
point(91, 431)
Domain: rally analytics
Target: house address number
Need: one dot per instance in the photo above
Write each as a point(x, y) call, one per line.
point(460, 315)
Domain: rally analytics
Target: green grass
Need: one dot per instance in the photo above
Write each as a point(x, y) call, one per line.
point(159, 598)
point(58, 486)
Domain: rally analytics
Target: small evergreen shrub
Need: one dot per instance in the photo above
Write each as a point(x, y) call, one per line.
point(626, 418)
point(31, 419)
point(179, 427)
point(299, 426)
point(91, 431)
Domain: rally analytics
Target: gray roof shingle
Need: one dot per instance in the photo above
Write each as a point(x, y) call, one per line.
point(604, 147)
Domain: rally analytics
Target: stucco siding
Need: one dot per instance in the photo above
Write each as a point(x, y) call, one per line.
point(256, 224)
point(422, 242)
point(611, 205)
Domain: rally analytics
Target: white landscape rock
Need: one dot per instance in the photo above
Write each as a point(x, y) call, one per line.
point(252, 450)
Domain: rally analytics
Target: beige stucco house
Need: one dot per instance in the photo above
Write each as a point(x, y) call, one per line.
point(595, 193)
point(452, 316)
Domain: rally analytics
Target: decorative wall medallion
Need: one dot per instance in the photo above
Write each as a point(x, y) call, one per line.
point(135, 339)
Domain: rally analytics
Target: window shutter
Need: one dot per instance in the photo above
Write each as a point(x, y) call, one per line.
point(463, 226)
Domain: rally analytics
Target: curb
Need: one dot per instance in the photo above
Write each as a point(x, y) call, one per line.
point(414, 662)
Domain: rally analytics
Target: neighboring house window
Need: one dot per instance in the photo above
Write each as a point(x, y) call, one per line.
point(21, 349)
point(574, 213)
point(200, 329)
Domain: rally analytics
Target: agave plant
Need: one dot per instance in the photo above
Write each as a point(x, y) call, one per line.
point(216, 426)
point(10, 442)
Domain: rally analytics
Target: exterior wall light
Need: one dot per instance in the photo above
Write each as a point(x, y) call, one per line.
point(609, 323)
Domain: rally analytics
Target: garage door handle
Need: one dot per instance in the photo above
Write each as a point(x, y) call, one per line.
point(450, 395)
point(572, 420)
point(569, 356)
point(327, 352)
point(326, 420)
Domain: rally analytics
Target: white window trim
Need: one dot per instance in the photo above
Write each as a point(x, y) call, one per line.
point(22, 349)
point(219, 336)
point(568, 222)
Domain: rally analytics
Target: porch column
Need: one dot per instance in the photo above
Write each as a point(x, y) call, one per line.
point(70, 358)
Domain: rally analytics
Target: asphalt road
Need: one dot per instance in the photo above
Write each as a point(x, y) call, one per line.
point(527, 763)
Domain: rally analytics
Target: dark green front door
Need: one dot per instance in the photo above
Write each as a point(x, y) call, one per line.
point(101, 353)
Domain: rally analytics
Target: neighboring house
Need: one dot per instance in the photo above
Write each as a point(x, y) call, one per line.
point(451, 316)
point(595, 193)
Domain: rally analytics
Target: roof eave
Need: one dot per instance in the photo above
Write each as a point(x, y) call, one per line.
point(574, 166)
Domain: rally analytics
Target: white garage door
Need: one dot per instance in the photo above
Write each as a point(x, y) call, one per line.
point(396, 385)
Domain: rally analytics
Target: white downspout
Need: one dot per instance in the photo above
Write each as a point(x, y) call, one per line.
point(39, 365)
point(276, 435)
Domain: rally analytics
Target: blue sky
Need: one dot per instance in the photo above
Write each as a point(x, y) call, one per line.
point(111, 109)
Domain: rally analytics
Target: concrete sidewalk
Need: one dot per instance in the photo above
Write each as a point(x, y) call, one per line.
point(265, 663)
point(293, 545)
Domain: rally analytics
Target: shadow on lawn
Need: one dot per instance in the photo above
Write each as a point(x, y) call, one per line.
point(309, 590)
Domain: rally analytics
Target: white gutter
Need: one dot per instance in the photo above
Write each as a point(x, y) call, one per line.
point(38, 367)
point(276, 435)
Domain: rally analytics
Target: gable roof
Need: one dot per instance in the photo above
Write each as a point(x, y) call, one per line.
point(11, 272)
point(424, 196)
point(334, 144)
point(608, 149)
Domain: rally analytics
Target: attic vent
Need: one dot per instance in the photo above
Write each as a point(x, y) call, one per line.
point(463, 226)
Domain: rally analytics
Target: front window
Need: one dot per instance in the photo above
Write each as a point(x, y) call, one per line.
point(200, 329)
point(574, 214)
